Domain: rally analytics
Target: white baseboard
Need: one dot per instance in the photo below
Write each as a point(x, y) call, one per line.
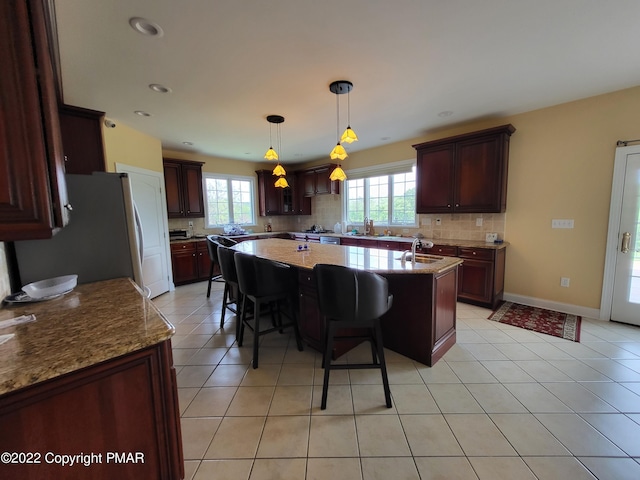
point(551, 305)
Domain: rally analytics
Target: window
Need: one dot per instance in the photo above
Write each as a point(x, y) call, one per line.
point(384, 194)
point(228, 200)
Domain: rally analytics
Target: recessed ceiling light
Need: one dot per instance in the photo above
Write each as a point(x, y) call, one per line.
point(146, 27)
point(142, 114)
point(384, 139)
point(156, 87)
point(187, 143)
point(446, 113)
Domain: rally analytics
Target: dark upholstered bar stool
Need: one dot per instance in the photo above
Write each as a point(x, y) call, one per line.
point(265, 282)
point(212, 247)
point(350, 298)
point(231, 295)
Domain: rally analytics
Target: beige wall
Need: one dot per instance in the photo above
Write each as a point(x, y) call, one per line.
point(561, 166)
point(126, 145)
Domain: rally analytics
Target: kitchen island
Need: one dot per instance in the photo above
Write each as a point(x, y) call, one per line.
point(91, 378)
point(421, 321)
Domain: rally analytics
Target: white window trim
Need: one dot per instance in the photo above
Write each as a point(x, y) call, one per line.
point(254, 196)
point(402, 166)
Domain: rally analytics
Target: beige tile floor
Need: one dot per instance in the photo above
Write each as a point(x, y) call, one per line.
point(503, 403)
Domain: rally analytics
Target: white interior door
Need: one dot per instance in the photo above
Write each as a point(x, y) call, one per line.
point(624, 238)
point(147, 187)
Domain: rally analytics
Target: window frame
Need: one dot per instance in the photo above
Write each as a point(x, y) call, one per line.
point(229, 179)
point(388, 169)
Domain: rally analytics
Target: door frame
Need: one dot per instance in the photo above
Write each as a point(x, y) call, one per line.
point(613, 231)
point(120, 167)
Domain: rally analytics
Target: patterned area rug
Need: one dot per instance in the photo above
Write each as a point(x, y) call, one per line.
point(539, 320)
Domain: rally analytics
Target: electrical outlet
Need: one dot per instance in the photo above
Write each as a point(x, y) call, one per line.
point(564, 281)
point(190, 223)
point(438, 221)
point(479, 222)
point(562, 223)
point(491, 237)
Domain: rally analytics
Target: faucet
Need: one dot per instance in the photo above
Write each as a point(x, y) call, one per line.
point(366, 225)
point(417, 243)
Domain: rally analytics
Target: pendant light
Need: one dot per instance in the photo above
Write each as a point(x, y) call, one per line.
point(349, 135)
point(271, 153)
point(339, 153)
point(279, 170)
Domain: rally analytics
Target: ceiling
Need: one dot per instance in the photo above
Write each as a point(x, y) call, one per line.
point(230, 63)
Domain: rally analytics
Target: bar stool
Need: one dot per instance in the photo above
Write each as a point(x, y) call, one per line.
point(350, 298)
point(212, 247)
point(231, 295)
point(265, 282)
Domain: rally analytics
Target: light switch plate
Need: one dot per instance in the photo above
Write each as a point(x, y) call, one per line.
point(491, 237)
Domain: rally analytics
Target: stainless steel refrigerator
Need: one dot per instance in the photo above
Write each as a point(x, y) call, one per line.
point(103, 239)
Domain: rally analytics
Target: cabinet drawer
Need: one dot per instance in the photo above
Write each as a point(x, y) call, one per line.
point(447, 250)
point(391, 245)
point(183, 247)
point(479, 253)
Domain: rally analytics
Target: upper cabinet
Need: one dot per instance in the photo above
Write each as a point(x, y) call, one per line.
point(317, 181)
point(464, 174)
point(273, 200)
point(82, 140)
point(183, 185)
point(33, 196)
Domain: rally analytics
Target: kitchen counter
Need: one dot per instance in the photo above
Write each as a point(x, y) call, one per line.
point(421, 321)
point(93, 323)
point(94, 374)
point(373, 259)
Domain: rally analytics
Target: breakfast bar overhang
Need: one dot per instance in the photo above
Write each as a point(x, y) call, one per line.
point(420, 325)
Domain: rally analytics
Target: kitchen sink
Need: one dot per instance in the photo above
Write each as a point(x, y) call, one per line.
point(423, 258)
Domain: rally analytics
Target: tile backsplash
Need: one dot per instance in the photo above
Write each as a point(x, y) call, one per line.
point(327, 210)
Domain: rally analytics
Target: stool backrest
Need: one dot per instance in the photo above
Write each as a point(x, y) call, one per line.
point(261, 277)
point(227, 264)
point(351, 295)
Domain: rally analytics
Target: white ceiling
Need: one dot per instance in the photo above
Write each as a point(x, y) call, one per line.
point(230, 63)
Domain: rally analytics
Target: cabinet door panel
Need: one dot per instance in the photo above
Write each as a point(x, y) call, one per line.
point(309, 179)
point(194, 204)
point(185, 267)
point(172, 182)
point(32, 185)
point(478, 159)
point(476, 280)
point(435, 179)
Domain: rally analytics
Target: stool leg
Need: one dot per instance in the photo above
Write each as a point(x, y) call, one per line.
point(239, 312)
point(327, 364)
point(383, 364)
point(210, 277)
point(256, 332)
point(296, 330)
point(374, 346)
point(225, 297)
point(242, 320)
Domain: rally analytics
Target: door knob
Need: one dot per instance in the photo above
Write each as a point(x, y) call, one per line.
point(626, 239)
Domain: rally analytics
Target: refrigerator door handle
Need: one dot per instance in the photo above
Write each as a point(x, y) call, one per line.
point(139, 232)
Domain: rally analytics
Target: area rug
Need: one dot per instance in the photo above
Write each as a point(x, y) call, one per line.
point(539, 320)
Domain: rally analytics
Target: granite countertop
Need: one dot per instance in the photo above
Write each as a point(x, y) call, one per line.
point(372, 259)
point(93, 323)
point(409, 240)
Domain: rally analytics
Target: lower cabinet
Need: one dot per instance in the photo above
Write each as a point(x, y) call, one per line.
point(122, 415)
point(190, 262)
point(481, 277)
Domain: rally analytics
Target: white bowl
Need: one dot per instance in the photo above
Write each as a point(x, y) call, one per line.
point(51, 286)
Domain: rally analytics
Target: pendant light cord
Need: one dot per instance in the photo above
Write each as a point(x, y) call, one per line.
point(338, 117)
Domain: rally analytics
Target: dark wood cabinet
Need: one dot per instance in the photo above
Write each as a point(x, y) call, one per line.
point(270, 198)
point(464, 174)
point(274, 200)
point(33, 196)
point(82, 140)
point(481, 276)
point(183, 186)
point(190, 262)
point(128, 405)
point(317, 181)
